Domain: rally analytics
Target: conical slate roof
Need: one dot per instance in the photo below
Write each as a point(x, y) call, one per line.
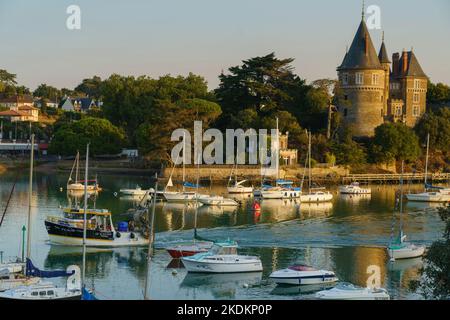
point(414, 68)
point(382, 55)
point(358, 57)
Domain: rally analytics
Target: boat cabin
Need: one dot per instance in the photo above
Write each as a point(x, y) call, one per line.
point(224, 248)
point(96, 219)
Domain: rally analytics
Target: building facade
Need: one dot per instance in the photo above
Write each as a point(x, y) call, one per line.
point(373, 90)
point(21, 109)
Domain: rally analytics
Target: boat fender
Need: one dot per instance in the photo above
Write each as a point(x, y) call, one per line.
point(115, 194)
point(118, 234)
point(132, 236)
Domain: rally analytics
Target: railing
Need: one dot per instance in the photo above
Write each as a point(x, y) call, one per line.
point(397, 177)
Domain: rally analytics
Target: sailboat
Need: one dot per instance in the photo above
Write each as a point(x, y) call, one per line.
point(314, 194)
point(431, 193)
point(77, 185)
point(30, 286)
point(195, 246)
point(184, 195)
point(283, 189)
point(68, 229)
point(238, 186)
point(399, 248)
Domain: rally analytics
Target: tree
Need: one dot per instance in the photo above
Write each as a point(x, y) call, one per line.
point(104, 137)
point(435, 280)
point(394, 141)
point(438, 126)
point(6, 80)
point(90, 87)
point(438, 93)
point(47, 92)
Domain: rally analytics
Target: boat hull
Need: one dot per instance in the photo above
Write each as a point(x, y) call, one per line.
point(70, 236)
point(207, 267)
point(188, 249)
point(240, 189)
point(406, 253)
point(326, 197)
point(429, 197)
point(291, 277)
point(358, 294)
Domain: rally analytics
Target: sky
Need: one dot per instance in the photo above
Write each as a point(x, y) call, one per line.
point(158, 37)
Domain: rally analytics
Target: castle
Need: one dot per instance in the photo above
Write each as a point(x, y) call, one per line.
point(372, 92)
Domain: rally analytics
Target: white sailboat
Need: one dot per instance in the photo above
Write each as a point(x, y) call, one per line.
point(314, 194)
point(237, 186)
point(136, 192)
point(431, 193)
point(222, 258)
point(77, 185)
point(399, 248)
point(283, 189)
point(31, 287)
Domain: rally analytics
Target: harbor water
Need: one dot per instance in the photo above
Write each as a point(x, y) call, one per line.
point(347, 235)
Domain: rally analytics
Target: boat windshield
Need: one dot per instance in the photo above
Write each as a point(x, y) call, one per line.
point(219, 250)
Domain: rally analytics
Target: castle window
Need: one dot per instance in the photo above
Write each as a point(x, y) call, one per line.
point(416, 111)
point(416, 84)
point(345, 78)
point(416, 98)
point(374, 79)
point(359, 78)
point(345, 112)
point(345, 97)
point(398, 110)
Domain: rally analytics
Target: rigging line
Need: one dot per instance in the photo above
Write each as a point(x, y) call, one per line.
point(9, 198)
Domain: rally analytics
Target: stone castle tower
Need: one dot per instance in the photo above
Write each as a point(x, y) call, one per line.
point(370, 93)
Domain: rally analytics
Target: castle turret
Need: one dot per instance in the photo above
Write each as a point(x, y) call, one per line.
point(362, 79)
point(386, 64)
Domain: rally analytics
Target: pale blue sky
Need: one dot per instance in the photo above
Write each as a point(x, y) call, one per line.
point(157, 37)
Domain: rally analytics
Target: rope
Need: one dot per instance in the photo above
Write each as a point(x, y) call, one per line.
point(9, 199)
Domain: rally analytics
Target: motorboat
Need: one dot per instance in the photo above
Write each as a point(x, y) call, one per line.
point(316, 195)
point(352, 292)
point(47, 290)
point(183, 196)
point(222, 258)
point(189, 248)
point(302, 275)
point(354, 188)
point(68, 229)
point(238, 187)
point(137, 192)
point(217, 201)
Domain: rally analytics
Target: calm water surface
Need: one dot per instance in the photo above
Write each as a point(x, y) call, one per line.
point(346, 236)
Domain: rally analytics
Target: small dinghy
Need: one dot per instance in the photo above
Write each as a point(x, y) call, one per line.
point(351, 292)
point(137, 192)
point(302, 275)
point(222, 258)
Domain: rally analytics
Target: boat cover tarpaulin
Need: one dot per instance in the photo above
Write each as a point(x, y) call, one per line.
point(429, 186)
point(32, 271)
point(86, 295)
point(191, 185)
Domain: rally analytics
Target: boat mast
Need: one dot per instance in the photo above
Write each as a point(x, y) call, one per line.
point(277, 155)
point(196, 198)
point(184, 159)
point(30, 190)
point(426, 161)
point(401, 204)
point(309, 161)
point(85, 216)
point(71, 171)
point(151, 237)
point(77, 159)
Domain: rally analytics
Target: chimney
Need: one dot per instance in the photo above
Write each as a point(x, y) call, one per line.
point(395, 61)
point(404, 61)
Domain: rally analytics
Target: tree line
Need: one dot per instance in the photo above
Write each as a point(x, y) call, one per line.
point(142, 112)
